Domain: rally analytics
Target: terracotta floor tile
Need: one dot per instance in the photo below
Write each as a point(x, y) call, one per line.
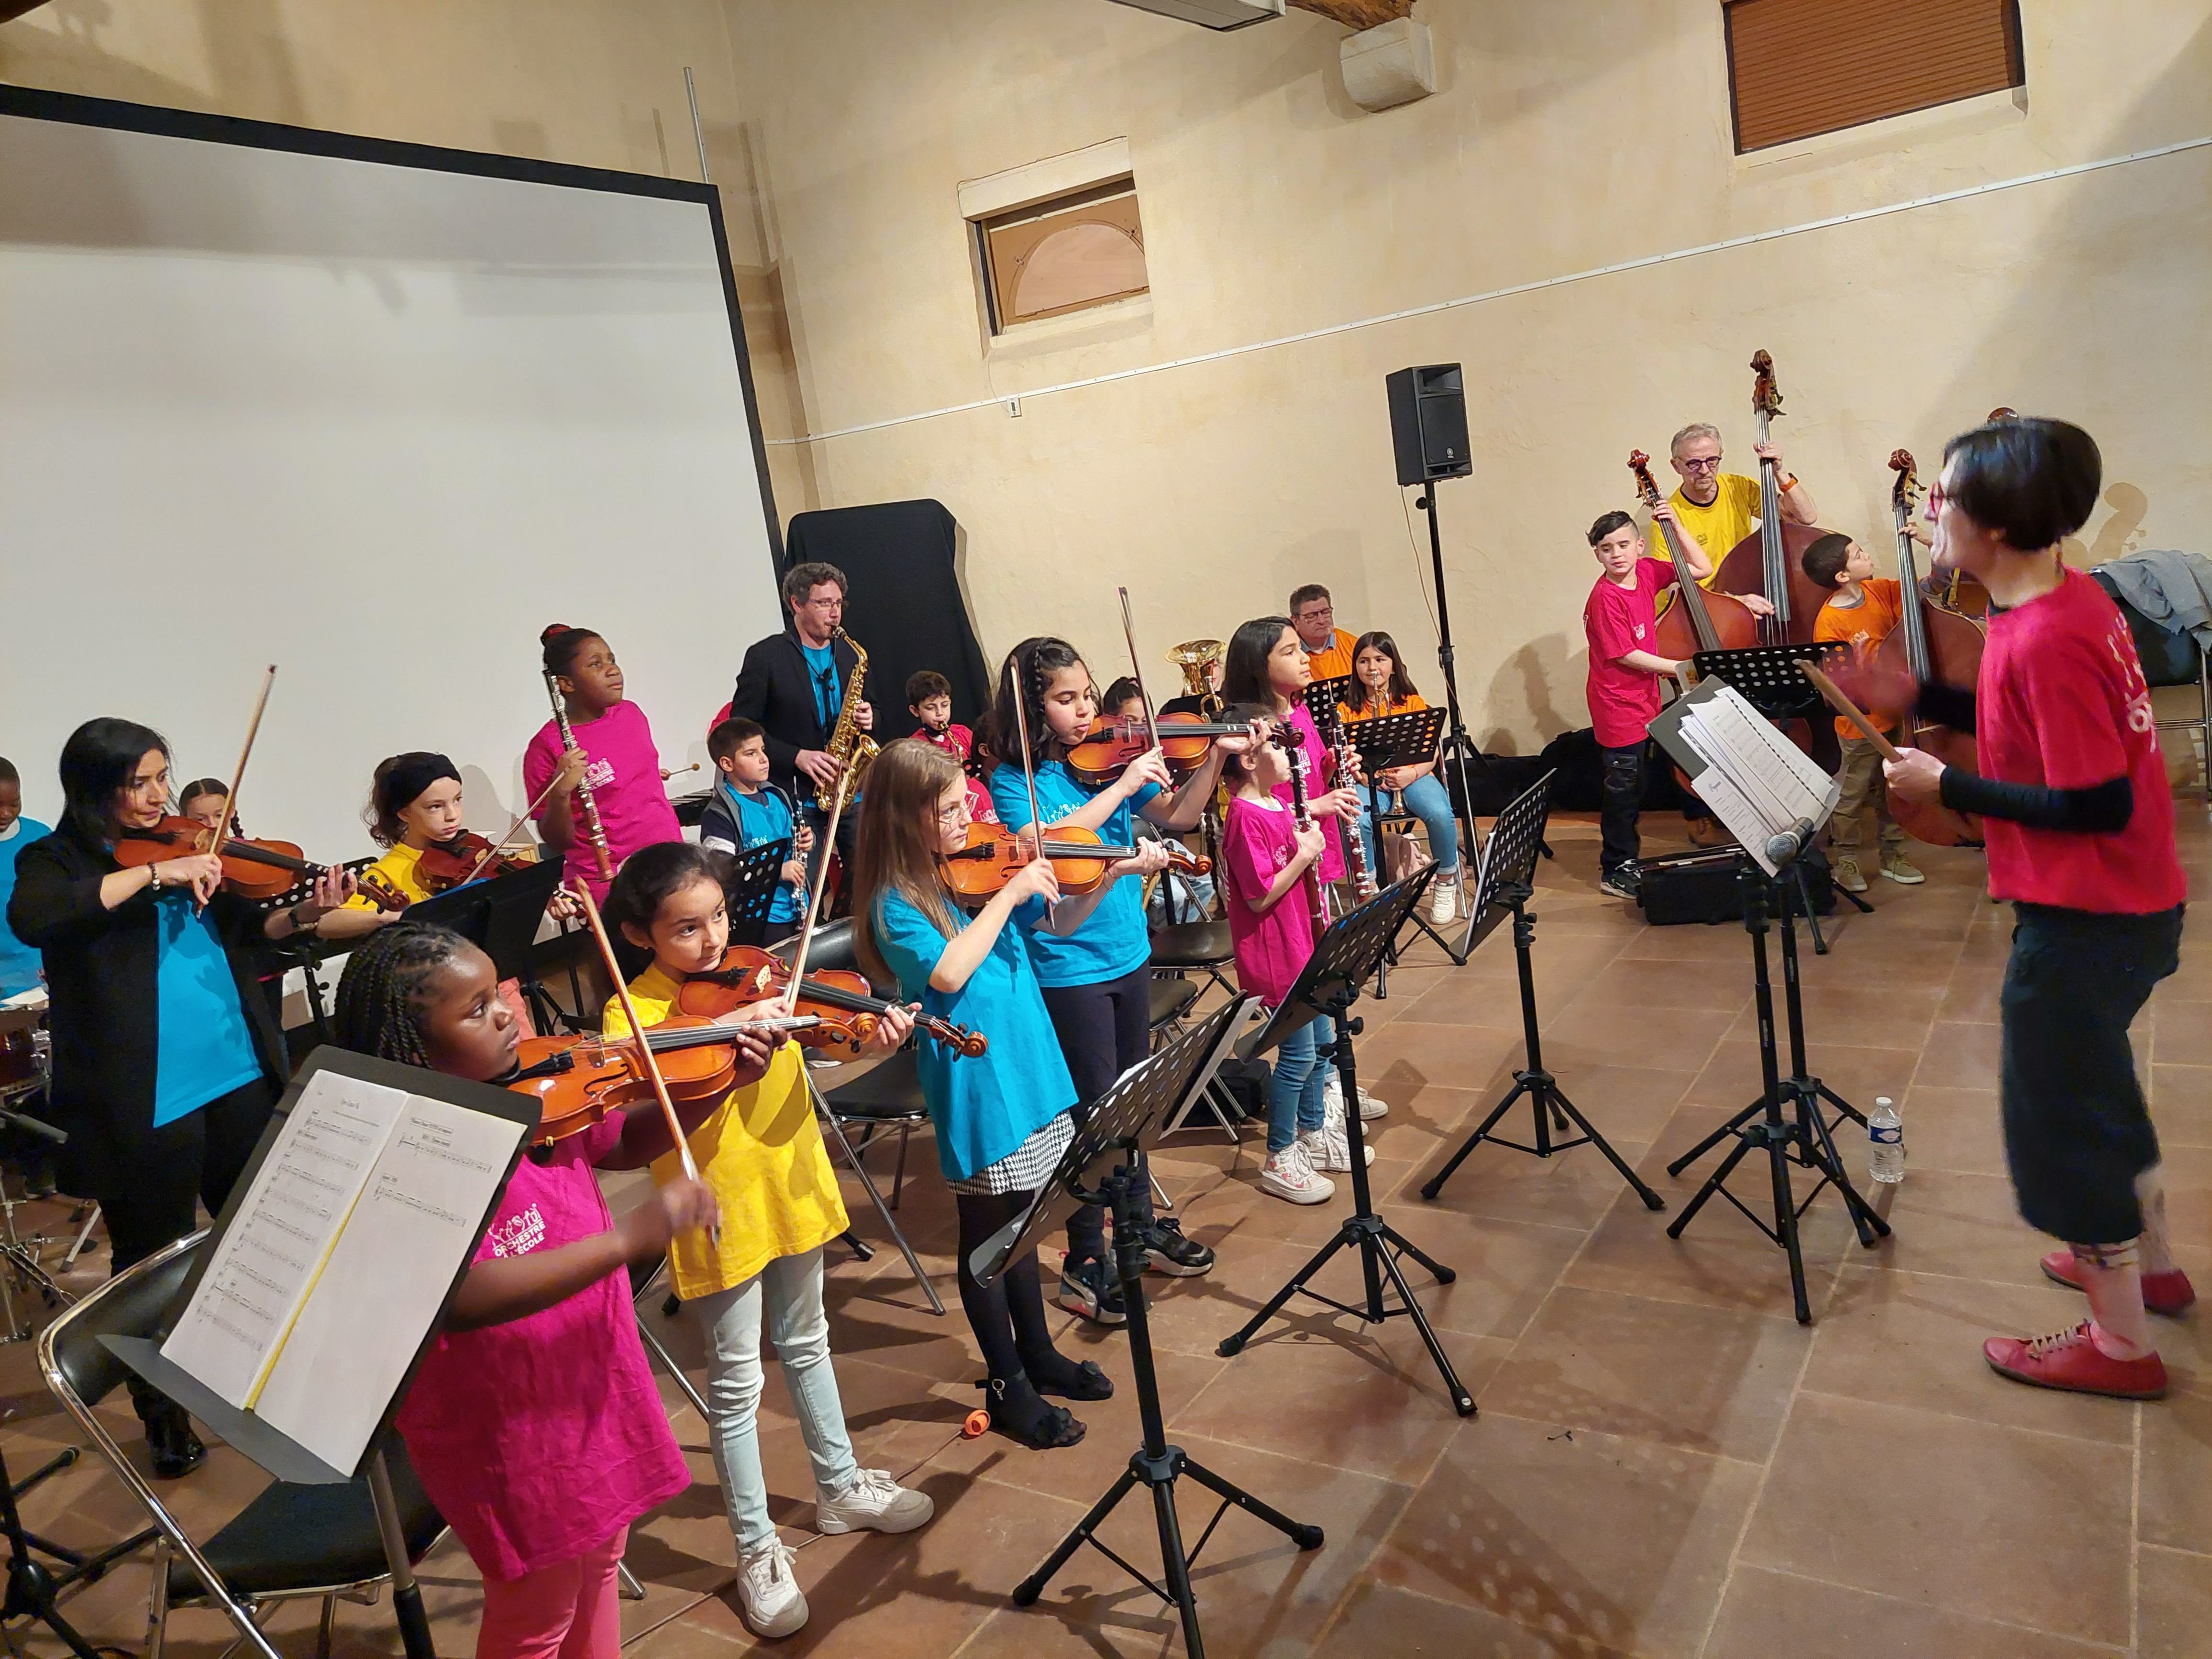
point(1956, 1129)
point(1703, 1379)
point(1859, 1016)
point(1589, 1033)
point(1942, 1511)
point(2181, 1103)
point(1381, 1623)
point(1505, 1268)
point(1450, 1054)
point(1574, 1189)
point(2175, 1602)
point(1624, 1102)
point(1644, 984)
point(1971, 996)
point(1962, 1225)
point(1771, 1615)
point(1586, 1537)
point(1961, 1055)
point(1908, 1339)
point(2177, 1470)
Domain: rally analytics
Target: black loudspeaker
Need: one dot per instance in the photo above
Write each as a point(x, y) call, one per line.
point(1428, 423)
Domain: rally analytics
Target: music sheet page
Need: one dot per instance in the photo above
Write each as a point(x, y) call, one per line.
point(386, 1280)
point(1757, 781)
point(266, 1263)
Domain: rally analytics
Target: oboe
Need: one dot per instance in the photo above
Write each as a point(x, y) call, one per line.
point(1355, 848)
point(594, 832)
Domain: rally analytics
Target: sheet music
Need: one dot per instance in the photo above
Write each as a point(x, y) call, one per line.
point(386, 1280)
point(1756, 781)
point(266, 1263)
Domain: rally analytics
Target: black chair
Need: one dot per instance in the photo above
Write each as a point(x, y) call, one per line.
point(290, 1541)
point(1203, 948)
point(2173, 659)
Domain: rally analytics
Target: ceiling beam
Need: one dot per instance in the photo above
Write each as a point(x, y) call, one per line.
point(1358, 14)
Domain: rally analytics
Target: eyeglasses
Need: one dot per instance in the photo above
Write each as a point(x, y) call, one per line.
point(1937, 497)
point(1707, 464)
point(1315, 613)
point(950, 816)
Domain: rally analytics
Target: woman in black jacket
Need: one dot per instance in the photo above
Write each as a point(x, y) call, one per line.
point(166, 1058)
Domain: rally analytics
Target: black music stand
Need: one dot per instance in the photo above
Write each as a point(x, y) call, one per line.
point(1145, 1096)
point(1804, 1138)
point(1353, 948)
point(756, 877)
point(1405, 739)
point(1508, 882)
point(502, 917)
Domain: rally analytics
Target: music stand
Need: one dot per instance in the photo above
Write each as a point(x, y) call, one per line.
point(756, 877)
point(1120, 1122)
point(1506, 886)
point(502, 917)
point(1405, 739)
point(1351, 949)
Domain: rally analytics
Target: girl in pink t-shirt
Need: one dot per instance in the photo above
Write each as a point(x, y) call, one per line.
point(534, 1424)
point(614, 757)
point(1268, 865)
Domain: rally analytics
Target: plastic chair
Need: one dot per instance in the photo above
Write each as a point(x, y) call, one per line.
point(1195, 947)
point(290, 1541)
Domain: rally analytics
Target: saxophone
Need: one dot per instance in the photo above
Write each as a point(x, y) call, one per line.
point(847, 743)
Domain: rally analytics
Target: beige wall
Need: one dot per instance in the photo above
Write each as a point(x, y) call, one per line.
point(1564, 137)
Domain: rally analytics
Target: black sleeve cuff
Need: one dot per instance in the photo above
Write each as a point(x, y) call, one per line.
point(2101, 808)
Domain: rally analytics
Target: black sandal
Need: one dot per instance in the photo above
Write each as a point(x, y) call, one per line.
point(1051, 1428)
point(1089, 1383)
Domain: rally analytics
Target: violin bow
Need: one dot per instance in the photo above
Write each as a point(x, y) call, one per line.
point(652, 1062)
point(1136, 667)
point(220, 833)
point(814, 898)
point(505, 841)
point(1028, 761)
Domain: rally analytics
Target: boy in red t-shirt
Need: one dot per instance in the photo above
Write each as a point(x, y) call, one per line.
point(1620, 618)
point(2080, 830)
point(1865, 609)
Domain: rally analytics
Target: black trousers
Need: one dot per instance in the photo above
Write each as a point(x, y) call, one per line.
point(1103, 1029)
point(2077, 1131)
point(150, 1191)
point(1620, 796)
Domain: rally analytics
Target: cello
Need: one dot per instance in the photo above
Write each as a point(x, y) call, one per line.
point(1770, 560)
point(1697, 620)
point(1934, 645)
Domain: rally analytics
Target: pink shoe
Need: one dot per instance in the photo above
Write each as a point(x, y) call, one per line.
point(2168, 1293)
point(2072, 1362)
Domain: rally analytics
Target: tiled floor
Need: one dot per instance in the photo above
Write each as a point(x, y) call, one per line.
point(1665, 1461)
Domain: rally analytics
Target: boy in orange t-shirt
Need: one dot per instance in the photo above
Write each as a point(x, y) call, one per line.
point(1863, 610)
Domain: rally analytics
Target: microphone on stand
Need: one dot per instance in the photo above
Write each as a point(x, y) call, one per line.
point(1783, 847)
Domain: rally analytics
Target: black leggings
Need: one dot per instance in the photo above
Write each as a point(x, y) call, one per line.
point(149, 1192)
point(1006, 1315)
point(1103, 1029)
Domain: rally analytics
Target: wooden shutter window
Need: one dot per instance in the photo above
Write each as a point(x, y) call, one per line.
point(1797, 68)
point(1065, 255)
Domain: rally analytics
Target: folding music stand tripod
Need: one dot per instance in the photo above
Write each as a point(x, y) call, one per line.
point(1346, 954)
point(1507, 883)
point(1121, 1119)
point(1383, 742)
point(750, 893)
point(502, 917)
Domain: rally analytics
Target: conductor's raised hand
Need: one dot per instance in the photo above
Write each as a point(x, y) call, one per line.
point(681, 1206)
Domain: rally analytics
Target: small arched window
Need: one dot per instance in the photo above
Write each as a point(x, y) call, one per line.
point(1065, 255)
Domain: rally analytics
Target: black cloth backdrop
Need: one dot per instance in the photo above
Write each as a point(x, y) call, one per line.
point(903, 605)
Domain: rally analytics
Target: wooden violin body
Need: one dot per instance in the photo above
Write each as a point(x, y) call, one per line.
point(841, 999)
point(994, 854)
point(577, 1080)
point(250, 869)
point(1184, 740)
point(467, 856)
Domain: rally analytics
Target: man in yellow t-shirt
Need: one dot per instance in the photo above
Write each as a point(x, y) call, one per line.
point(1328, 647)
point(1719, 508)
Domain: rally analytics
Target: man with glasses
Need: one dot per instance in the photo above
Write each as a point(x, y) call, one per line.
point(1328, 647)
point(1718, 508)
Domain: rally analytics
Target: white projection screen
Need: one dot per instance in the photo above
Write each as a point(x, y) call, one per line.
point(374, 413)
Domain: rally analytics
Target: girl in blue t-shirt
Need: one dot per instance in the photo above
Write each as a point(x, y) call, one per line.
point(1097, 979)
point(1001, 1117)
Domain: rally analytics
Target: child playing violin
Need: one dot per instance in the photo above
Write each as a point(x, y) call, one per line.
point(1387, 688)
point(533, 1423)
point(1096, 977)
point(1864, 609)
point(1125, 700)
point(1002, 1116)
point(615, 756)
point(762, 1153)
point(748, 810)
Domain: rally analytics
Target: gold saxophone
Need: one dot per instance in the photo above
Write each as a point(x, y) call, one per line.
point(847, 743)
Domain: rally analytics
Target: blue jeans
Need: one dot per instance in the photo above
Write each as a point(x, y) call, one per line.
point(790, 1288)
point(1296, 1087)
point(1427, 800)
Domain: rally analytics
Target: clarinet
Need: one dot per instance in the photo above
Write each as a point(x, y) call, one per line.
point(1355, 850)
point(1317, 902)
point(595, 831)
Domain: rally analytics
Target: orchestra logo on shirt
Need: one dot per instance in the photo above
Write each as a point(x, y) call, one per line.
point(520, 1236)
point(599, 774)
point(1638, 631)
point(2121, 645)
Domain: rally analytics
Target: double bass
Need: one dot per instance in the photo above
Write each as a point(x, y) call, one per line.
point(1934, 645)
point(1770, 560)
point(1695, 619)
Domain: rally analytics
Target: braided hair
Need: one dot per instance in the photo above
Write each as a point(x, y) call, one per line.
point(380, 995)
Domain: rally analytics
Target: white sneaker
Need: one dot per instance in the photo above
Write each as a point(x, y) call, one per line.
point(1332, 1094)
point(1329, 1147)
point(1290, 1173)
point(1370, 1107)
point(767, 1593)
point(873, 1502)
point(1444, 897)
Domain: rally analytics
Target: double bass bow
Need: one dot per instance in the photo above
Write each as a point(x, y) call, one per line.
point(1770, 560)
point(1697, 619)
point(1933, 646)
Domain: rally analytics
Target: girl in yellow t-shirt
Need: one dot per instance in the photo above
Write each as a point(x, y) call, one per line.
point(414, 802)
point(762, 1153)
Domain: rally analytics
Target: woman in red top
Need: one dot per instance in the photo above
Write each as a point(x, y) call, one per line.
point(2080, 840)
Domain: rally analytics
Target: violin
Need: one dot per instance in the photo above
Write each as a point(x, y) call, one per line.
point(250, 869)
point(841, 1000)
point(577, 1080)
point(445, 865)
point(994, 854)
point(1935, 646)
point(1114, 741)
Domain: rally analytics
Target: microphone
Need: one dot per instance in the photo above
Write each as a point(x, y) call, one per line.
point(1783, 847)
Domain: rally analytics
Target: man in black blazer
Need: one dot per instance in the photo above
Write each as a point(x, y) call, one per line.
point(793, 683)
